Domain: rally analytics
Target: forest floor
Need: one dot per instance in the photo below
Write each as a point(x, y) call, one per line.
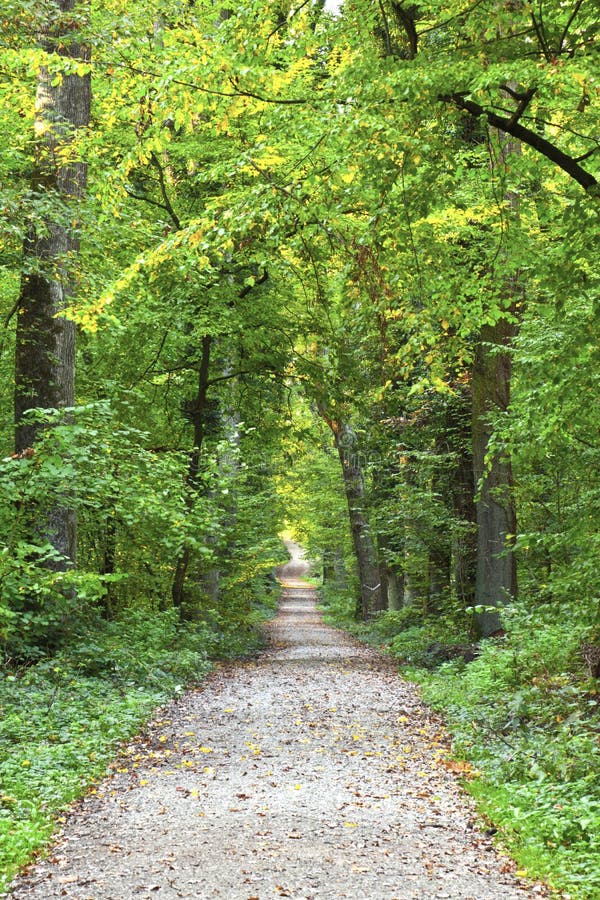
point(313, 771)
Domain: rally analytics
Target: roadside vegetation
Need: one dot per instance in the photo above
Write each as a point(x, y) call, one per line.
point(63, 718)
point(523, 714)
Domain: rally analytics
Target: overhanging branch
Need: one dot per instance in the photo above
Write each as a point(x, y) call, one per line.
point(565, 162)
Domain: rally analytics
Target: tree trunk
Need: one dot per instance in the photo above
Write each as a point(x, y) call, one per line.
point(439, 577)
point(496, 579)
point(395, 589)
point(328, 565)
point(392, 580)
point(197, 413)
point(462, 489)
point(108, 564)
point(371, 594)
point(45, 341)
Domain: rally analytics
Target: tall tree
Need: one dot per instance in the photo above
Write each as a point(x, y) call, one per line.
point(372, 598)
point(45, 348)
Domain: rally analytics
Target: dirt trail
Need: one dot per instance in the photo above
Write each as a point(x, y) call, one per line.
point(313, 772)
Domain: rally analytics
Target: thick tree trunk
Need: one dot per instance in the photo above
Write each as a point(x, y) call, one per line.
point(412, 592)
point(371, 594)
point(395, 589)
point(45, 343)
point(496, 579)
point(392, 580)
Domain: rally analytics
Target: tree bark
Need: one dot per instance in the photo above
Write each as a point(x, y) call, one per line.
point(45, 341)
point(395, 589)
point(496, 578)
point(462, 489)
point(371, 598)
point(440, 565)
point(391, 578)
point(197, 414)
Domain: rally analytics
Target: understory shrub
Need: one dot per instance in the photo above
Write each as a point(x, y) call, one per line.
point(525, 715)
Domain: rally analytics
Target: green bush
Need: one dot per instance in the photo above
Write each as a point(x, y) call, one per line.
point(429, 643)
point(523, 715)
point(388, 624)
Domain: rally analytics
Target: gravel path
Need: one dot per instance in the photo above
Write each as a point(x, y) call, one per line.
point(313, 772)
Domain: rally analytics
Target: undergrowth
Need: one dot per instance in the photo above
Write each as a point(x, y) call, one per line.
point(63, 717)
point(524, 714)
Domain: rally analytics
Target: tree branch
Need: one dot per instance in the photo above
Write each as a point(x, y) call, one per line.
point(284, 101)
point(163, 191)
point(563, 36)
point(524, 99)
point(149, 200)
point(587, 155)
point(538, 27)
point(406, 19)
point(565, 162)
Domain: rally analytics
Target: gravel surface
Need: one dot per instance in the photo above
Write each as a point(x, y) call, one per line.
point(312, 772)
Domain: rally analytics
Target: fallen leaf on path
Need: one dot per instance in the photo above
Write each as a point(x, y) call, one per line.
point(458, 766)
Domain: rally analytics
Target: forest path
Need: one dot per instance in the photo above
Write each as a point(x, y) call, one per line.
point(312, 772)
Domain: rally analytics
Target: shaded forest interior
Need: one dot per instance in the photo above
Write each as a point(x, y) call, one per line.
point(324, 272)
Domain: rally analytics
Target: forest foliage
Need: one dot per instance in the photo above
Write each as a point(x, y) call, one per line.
point(329, 267)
